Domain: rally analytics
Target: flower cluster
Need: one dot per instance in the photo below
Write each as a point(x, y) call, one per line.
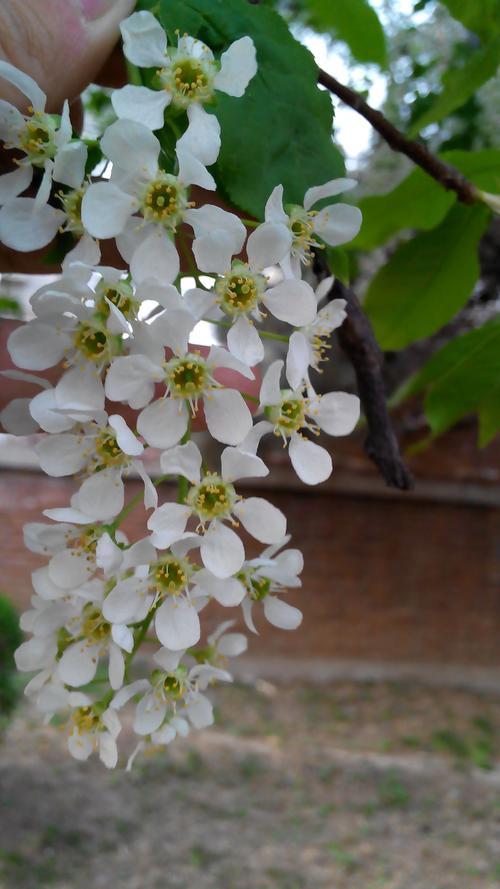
point(99, 597)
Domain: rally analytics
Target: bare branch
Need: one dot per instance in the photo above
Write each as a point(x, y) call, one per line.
point(358, 342)
point(447, 176)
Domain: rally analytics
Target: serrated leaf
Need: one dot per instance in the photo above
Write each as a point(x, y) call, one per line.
point(462, 377)
point(419, 201)
point(353, 21)
point(280, 130)
point(427, 279)
point(459, 84)
point(480, 16)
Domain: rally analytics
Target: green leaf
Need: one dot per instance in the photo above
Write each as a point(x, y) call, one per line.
point(427, 280)
point(419, 201)
point(462, 377)
point(339, 263)
point(461, 83)
point(353, 21)
point(480, 16)
point(280, 130)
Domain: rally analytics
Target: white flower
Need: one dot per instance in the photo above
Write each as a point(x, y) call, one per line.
point(306, 347)
point(335, 224)
point(45, 140)
point(92, 730)
point(272, 572)
point(187, 75)
point(212, 499)
point(139, 185)
point(242, 289)
point(188, 378)
point(104, 452)
point(289, 411)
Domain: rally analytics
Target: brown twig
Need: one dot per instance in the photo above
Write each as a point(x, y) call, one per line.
point(358, 342)
point(446, 175)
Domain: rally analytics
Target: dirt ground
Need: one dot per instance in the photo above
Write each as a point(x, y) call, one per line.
point(339, 786)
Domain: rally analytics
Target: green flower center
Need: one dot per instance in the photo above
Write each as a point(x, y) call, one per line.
point(94, 627)
point(289, 415)
point(239, 291)
point(188, 79)
point(301, 225)
point(91, 341)
point(212, 498)
point(37, 138)
point(171, 575)
point(72, 205)
point(187, 377)
point(85, 720)
point(257, 587)
point(107, 450)
point(164, 201)
point(120, 294)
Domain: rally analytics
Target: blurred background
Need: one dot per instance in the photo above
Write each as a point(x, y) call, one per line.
point(363, 750)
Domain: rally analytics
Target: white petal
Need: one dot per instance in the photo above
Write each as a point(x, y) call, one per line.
point(213, 251)
point(168, 523)
point(128, 375)
point(267, 244)
point(183, 460)
point(163, 423)
point(149, 715)
point(192, 171)
point(80, 390)
point(238, 66)
point(227, 415)
point(338, 224)
point(244, 342)
point(43, 410)
point(168, 660)
point(232, 644)
point(132, 147)
point(281, 614)
point(44, 586)
point(106, 209)
point(156, 257)
point(177, 624)
point(144, 40)
point(270, 390)
point(80, 746)
point(251, 443)
point(274, 211)
point(330, 316)
point(150, 492)
point(328, 190)
point(200, 712)
point(140, 553)
point(324, 288)
point(108, 751)
point(116, 667)
point(69, 569)
point(109, 556)
point(13, 184)
point(124, 601)
point(261, 519)
point(228, 591)
point(202, 137)
point(101, 496)
point(69, 164)
point(297, 359)
point(311, 462)
point(236, 463)
point(210, 218)
point(25, 227)
point(292, 301)
point(172, 329)
point(220, 357)
point(86, 251)
point(17, 419)
point(128, 692)
point(61, 455)
point(222, 551)
point(142, 105)
point(36, 346)
point(78, 665)
point(125, 438)
point(25, 83)
point(336, 412)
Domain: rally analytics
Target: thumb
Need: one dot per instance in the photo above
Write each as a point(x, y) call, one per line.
point(61, 44)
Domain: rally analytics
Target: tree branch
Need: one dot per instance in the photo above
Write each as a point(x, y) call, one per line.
point(446, 175)
point(358, 342)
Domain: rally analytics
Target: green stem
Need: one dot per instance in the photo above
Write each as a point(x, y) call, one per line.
point(279, 337)
point(250, 397)
point(134, 74)
point(250, 223)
